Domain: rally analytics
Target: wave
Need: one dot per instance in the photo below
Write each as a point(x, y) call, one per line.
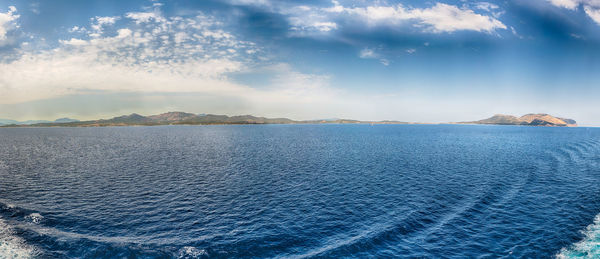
point(12, 246)
point(30, 221)
point(589, 247)
point(191, 252)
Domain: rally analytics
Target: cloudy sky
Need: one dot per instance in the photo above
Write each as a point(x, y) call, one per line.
point(423, 61)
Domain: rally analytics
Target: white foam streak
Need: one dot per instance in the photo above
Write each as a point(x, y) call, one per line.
point(12, 246)
point(191, 252)
point(589, 247)
point(35, 217)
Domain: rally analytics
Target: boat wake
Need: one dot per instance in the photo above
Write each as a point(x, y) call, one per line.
point(589, 247)
point(12, 246)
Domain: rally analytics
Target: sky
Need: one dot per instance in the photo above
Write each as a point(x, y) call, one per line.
point(418, 61)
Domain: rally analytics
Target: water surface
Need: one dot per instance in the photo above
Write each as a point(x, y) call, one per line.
point(279, 191)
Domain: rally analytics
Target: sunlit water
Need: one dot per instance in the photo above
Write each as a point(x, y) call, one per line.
point(300, 191)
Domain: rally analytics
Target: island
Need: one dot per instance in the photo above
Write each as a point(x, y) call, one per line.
point(531, 119)
point(183, 118)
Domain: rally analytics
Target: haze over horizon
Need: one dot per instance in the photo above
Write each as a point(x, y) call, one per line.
point(416, 61)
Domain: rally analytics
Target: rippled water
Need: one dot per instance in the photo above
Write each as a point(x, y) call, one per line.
point(300, 191)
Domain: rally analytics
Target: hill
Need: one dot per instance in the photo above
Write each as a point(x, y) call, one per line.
point(33, 122)
point(183, 118)
point(539, 119)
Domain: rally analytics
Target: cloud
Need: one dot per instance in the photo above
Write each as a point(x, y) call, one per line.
point(593, 12)
point(368, 53)
point(306, 20)
point(160, 56)
point(74, 42)
point(251, 2)
point(440, 18)
point(144, 17)
point(77, 29)
point(170, 55)
point(35, 7)
point(436, 19)
point(591, 7)
point(97, 25)
point(569, 4)
point(514, 32)
point(7, 23)
point(302, 25)
point(486, 6)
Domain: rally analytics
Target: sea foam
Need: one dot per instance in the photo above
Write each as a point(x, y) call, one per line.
point(35, 218)
point(12, 246)
point(191, 252)
point(589, 247)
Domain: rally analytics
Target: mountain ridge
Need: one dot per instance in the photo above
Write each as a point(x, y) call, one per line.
point(4, 122)
point(184, 118)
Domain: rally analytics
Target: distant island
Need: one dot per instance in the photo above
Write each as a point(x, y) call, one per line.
point(539, 119)
point(31, 122)
point(183, 118)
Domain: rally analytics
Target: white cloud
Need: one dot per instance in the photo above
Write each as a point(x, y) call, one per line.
point(106, 20)
point(324, 26)
point(336, 8)
point(7, 23)
point(591, 7)
point(593, 12)
point(486, 6)
point(577, 36)
point(97, 24)
point(144, 17)
point(437, 19)
point(180, 37)
point(157, 57)
point(77, 29)
point(367, 53)
point(306, 20)
point(74, 42)
point(569, 4)
point(251, 2)
point(299, 24)
point(514, 32)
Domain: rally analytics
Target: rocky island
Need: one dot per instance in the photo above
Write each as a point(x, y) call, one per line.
point(539, 119)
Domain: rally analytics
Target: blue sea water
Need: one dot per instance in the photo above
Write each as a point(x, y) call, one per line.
point(297, 191)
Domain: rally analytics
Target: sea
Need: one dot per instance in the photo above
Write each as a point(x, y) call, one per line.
point(300, 191)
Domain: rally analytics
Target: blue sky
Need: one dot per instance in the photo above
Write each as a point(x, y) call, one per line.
point(424, 61)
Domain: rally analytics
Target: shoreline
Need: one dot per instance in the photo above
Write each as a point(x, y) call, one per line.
point(258, 124)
